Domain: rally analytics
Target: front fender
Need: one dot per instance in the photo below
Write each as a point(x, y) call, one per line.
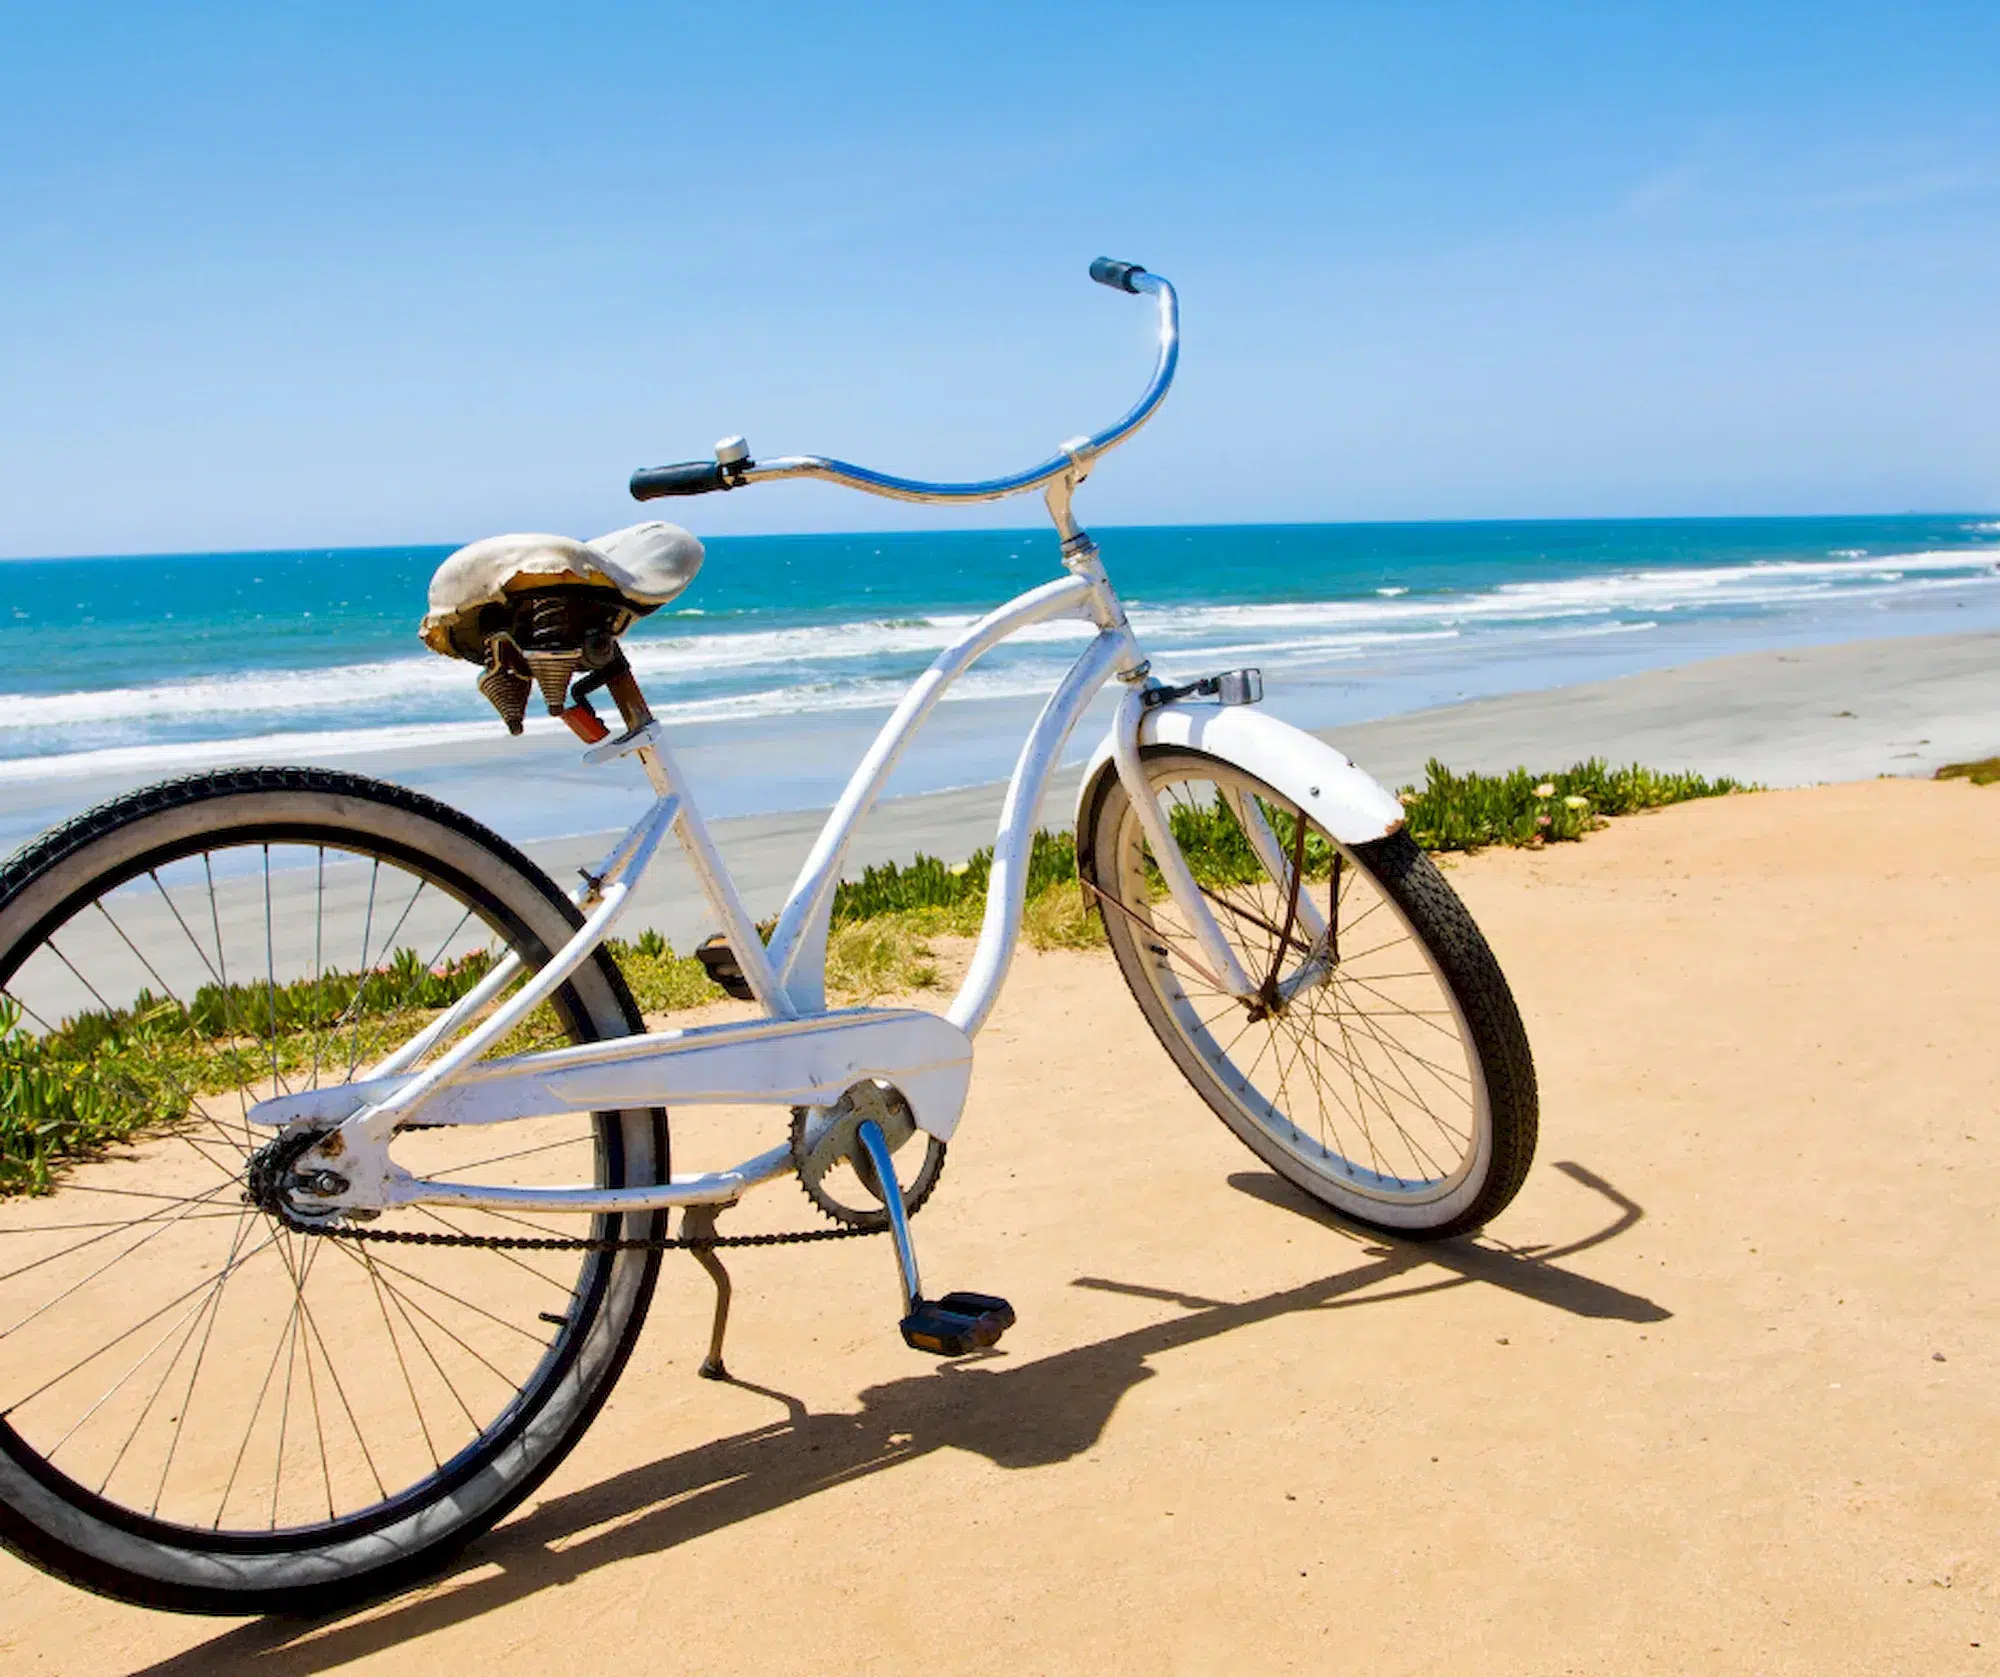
point(1342, 799)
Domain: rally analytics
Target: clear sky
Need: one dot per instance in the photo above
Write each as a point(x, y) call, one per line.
point(291, 275)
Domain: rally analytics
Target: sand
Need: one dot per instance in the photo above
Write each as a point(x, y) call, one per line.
point(1718, 1393)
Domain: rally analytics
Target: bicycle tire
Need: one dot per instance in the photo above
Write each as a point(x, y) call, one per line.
point(65, 1526)
point(1501, 1117)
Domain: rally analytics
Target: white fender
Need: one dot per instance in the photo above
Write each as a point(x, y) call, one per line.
point(1342, 799)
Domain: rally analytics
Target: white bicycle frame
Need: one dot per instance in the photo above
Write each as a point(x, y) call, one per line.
point(801, 1053)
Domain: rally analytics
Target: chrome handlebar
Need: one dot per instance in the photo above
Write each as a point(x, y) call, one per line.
point(733, 468)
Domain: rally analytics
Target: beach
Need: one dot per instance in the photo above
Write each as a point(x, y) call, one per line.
point(1712, 1395)
point(773, 671)
point(1775, 718)
point(1787, 716)
point(1715, 1394)
point(1484, 1161)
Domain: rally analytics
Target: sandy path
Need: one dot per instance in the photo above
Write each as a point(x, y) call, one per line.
point(1682, 1410)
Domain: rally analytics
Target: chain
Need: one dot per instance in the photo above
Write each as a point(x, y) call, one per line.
point(583, 1243)
point(274, 1160)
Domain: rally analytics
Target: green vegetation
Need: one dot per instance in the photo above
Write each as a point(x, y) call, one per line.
point(1982, 773)
point(58, 1103)
point(1473, 811)
point(925, 882)
point(661, 981)
point(103, 1076)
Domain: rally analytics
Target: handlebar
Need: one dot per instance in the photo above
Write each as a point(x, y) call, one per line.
point(697, 477)
point(1120, 276)
point(735, 470)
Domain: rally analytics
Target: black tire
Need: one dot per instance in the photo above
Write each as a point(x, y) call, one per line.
point(1349, 1074)
point(53, 897)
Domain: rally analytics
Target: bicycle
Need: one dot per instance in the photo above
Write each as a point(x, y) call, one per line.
point(252, 1361)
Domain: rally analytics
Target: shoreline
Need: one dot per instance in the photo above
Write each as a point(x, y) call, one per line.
point(1785, 717)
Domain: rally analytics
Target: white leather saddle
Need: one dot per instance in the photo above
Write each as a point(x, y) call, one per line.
point(646, 565)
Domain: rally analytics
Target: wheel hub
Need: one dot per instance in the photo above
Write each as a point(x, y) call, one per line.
point(269, 1180)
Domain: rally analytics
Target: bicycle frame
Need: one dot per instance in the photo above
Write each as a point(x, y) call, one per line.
point(800, 1053)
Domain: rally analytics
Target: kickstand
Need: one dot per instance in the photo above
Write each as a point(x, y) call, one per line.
point(698, 1223)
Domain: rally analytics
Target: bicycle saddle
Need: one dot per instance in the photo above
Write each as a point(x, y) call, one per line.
point(473, 593)
point(535, 610)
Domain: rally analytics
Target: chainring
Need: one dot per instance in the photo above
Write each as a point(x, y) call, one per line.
point(837, 1142)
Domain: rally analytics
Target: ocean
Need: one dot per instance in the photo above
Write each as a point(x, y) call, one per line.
point(129, 668)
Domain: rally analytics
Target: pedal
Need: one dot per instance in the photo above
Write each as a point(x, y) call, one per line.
point(719, 962)
point(957, 1324)
point(946, 1327)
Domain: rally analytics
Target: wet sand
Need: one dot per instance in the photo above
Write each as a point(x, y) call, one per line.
point(1784, 718)
point(1787, 718)
point(1718, 1393)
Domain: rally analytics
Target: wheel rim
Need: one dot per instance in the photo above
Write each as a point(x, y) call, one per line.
point(1364, 1080)
point(182, 1363)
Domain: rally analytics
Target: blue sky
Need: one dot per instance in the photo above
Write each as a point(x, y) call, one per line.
point(286, 275)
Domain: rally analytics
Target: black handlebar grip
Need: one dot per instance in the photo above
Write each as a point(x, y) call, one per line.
point(1118, 275)
point(697, 477)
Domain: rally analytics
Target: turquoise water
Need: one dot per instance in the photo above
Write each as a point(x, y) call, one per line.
point(166, 660)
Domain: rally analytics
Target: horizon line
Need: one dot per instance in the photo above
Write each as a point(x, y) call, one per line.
point(1039, 530)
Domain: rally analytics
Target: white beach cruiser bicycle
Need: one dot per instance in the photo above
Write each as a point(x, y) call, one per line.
point(381, 1184)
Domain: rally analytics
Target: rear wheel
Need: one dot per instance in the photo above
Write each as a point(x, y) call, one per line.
point(1383, 1068)
point(202, 1407)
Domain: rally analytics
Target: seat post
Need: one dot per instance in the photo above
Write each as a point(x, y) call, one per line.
point(623, 686)
point(616, 678)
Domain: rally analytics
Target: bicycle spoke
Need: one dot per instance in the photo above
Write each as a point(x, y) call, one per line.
point(403, 1308)
point(194, 1374)
point(319, 963)
point(409, 1385)
point(188, 1356)
point(118, 1385)
point(161, 1228)
point(144, 1321)
point(1382, 1100)
point(1443, 1073)
point(271, 975)
point(361, 970)
point(465, 1304)
point(1334, 1072)
point(207, 1304)
point(503, 1158)
point(249, 1430)
point(513, 1258)
point(1425, 1016)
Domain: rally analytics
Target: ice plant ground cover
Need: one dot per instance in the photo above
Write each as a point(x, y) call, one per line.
point(1982, 773)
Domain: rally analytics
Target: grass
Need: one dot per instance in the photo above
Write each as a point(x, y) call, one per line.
point(1474, 811)
point(101, 1077)
point(104, 1075)
point(661, 981)
point(1982, 773)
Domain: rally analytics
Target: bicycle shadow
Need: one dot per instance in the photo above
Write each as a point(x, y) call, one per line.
point(1017, 1415)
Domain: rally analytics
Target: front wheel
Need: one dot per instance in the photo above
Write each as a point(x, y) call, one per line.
point(1382, 1067)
